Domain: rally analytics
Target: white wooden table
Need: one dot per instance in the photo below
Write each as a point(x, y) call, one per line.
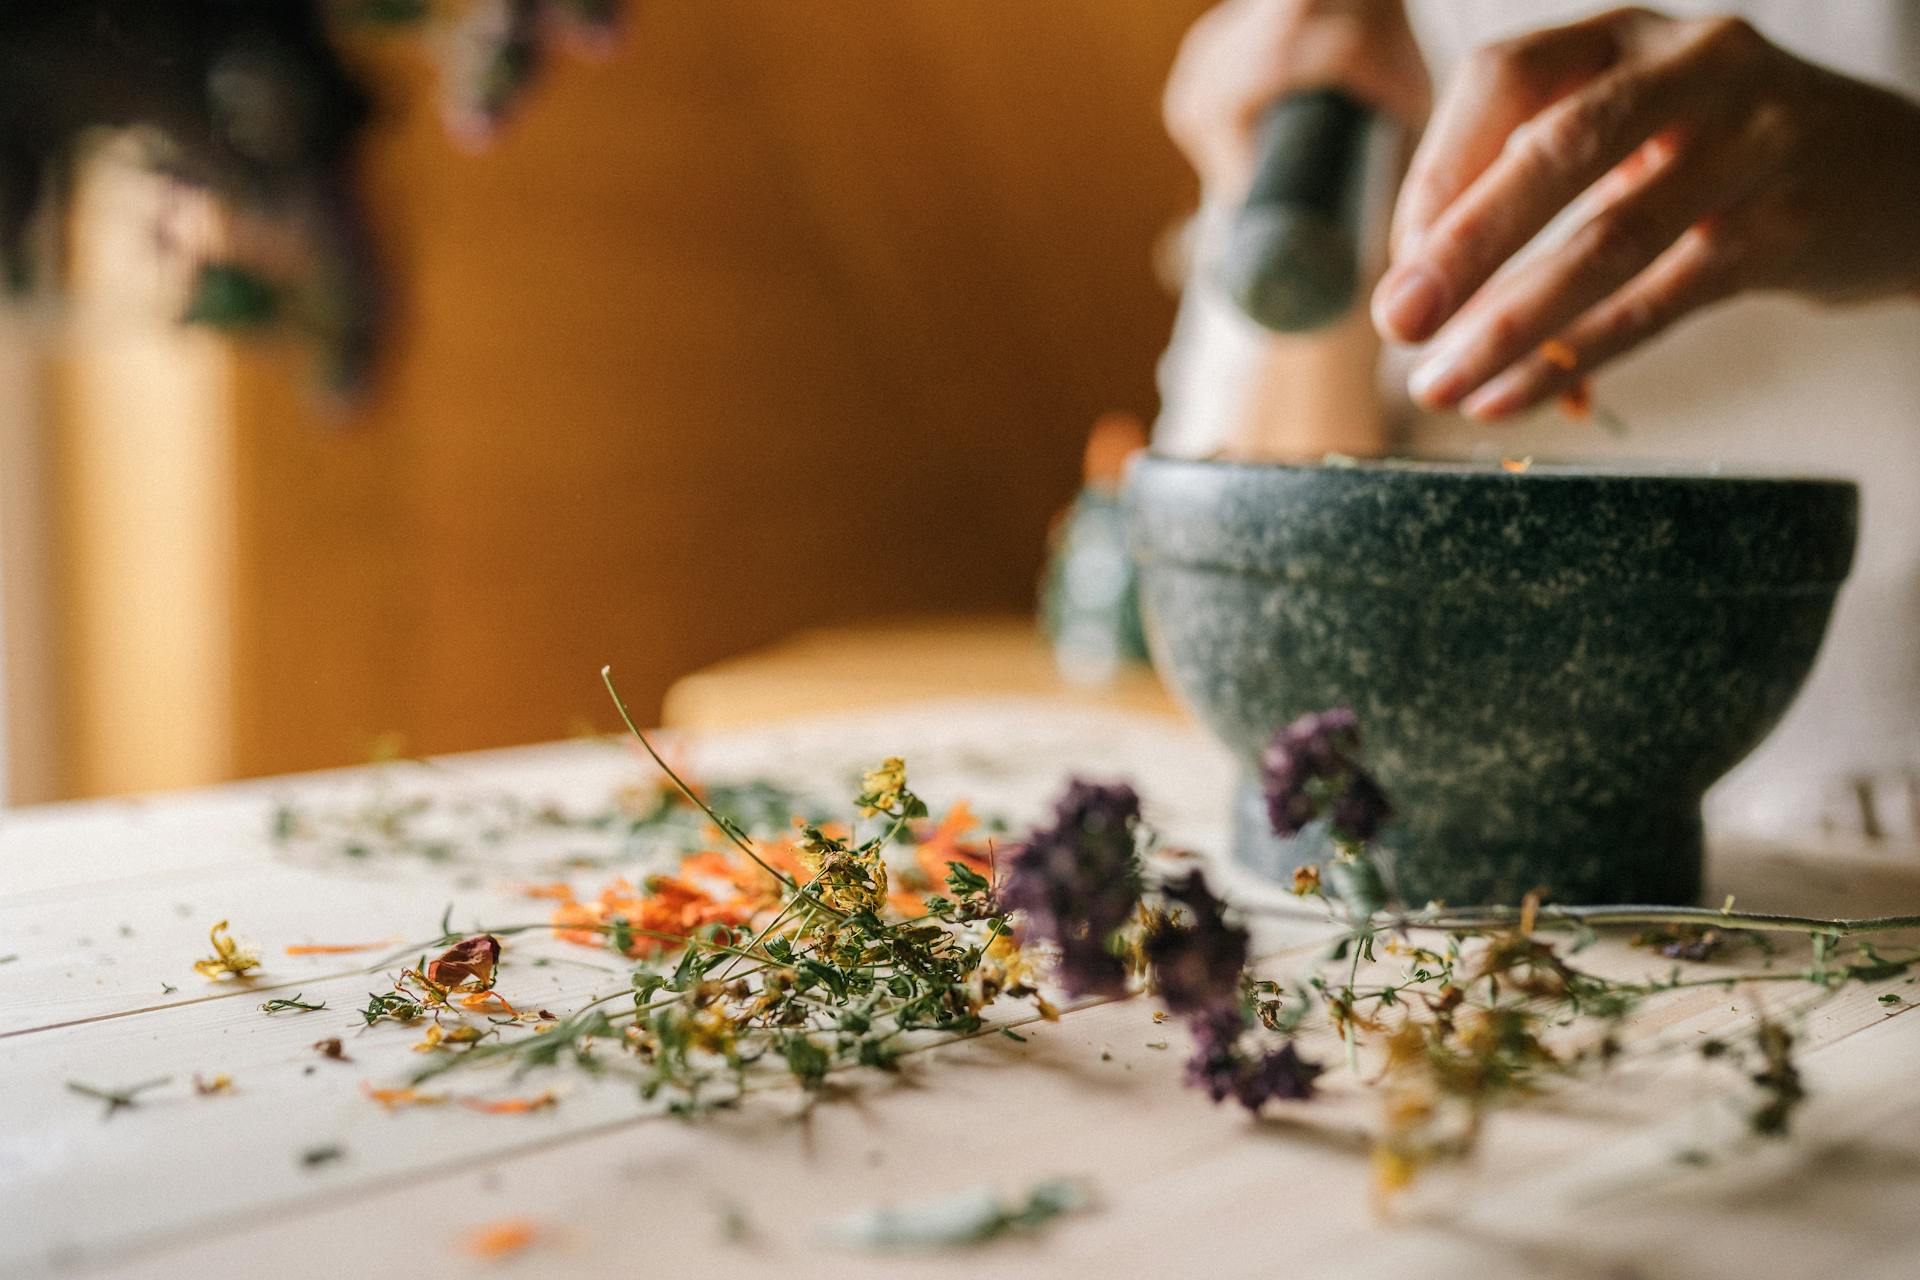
point(103, 903)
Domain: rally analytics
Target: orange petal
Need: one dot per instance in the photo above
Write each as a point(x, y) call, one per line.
point(496, 1239)
point(338, 948)
point(1560, 355)
point(394, 1099)
point(511, 1106)
point(558, 890)
point(480, 1000)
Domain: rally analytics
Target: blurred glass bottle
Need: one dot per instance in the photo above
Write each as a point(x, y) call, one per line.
point(1089, 596)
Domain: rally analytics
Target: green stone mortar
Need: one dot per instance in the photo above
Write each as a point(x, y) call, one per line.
point(1550, 667)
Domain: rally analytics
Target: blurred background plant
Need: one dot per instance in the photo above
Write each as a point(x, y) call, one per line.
point(746, 264)
point(252, 102)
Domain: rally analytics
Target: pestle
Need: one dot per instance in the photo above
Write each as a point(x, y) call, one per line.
point(1291, 259)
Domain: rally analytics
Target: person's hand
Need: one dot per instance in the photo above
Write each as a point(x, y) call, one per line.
point(1704, 161)
point(1243, 54)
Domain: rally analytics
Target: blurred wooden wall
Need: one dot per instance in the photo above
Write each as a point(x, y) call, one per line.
point(790, 312)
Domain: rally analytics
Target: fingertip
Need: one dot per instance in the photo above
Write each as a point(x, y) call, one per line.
point(1492, 406)
point(1409, 304)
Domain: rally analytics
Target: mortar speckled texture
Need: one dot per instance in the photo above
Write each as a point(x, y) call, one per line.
point(1549, 667)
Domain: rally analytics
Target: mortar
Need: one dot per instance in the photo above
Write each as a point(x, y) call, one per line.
point(1550, 667)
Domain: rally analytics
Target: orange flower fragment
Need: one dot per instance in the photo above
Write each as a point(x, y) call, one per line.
point(498, 1239)
point(337, 948)
point(557, 890)
point(668, 908)
point(1577, 401)
point(1560, 355)
point(945, 845)
point(1517, 466)
point(481, 999)
point(394, 1099)
point(512, 1106)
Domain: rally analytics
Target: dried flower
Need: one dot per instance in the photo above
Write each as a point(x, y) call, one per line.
point(218, 1084)
point(1197, 960)
point(1312, 769)
point(331, 1048)
point(467, 964)
point(229, 956)
point(438, 1037)
point(881, 789)
point(1223, 1069)
point(1077, 882)
point(846, 879)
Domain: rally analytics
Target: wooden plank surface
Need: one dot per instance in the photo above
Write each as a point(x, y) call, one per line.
point(1582, 1183)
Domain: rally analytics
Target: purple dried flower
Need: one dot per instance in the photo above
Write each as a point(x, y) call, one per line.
point(1078, 881)
point(1312, 769)
point(1219, 1066)
point(1197, 962)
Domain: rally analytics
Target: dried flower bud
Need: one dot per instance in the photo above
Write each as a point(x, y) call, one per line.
point(881, 789)
point(1077, 882)
point(1312, 769)
point(1221, 1068)
point(1198, 960)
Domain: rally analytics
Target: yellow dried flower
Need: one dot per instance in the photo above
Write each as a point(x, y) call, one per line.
point(229, 956)
point(847, 881)
point(880, 788)
point(439, 1037)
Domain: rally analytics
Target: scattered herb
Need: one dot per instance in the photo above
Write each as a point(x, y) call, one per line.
point(396, 1005)
point(218, 1084)
point(280, 1003)
point(116, 1099)
point(970, 1218)
point(823, 946)
point(331, 1048)
point(313, 1157)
